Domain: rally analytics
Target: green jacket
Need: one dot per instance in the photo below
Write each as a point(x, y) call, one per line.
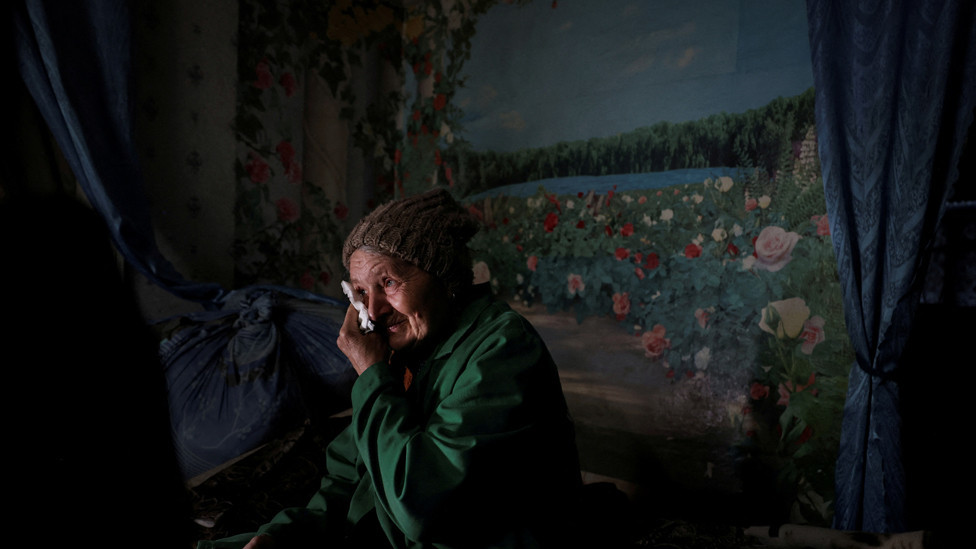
point(479, 452)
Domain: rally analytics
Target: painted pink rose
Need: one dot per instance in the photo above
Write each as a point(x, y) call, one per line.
point(532, 262)
point(654, 342)
point(812, 334)
point(751, 204)
point(701, 315)
point(257, 168)
point(287, 210)
point(774, 248)
point(639, 272)
point(574, 283)
point(621, 305)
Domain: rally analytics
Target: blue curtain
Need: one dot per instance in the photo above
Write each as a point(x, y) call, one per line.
point(895, 86)
point(74, 58)
point(261, 359)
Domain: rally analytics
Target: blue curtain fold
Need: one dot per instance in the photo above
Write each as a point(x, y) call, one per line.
point(74, 58)
point(895, 87)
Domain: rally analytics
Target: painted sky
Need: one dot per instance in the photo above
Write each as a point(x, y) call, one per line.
point(575, 69)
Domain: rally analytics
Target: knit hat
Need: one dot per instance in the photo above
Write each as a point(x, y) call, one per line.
point(430, 230)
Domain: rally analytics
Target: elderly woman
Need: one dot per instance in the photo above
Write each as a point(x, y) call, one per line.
point(460, 435)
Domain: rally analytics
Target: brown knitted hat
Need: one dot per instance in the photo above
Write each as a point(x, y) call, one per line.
point(430, 230)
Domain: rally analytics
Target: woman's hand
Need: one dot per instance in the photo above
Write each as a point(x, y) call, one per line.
point(263, 541)
point(362, 350)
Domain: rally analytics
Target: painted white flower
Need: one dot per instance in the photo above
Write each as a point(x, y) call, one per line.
point(627, 198)
point(764, 201)
point(724, 184)
point(697, 198)
point(519, 278)
point(667, 214)
point(708, 182)
point(699, 239)
point(737, 229)
point(702, 358)
point(719, 234)
point(647, 220)
point(570, 205)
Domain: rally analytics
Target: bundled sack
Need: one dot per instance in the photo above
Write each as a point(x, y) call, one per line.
point(252, 371)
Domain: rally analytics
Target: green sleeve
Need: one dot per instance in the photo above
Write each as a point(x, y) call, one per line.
point(488, 439)
point(324, 516)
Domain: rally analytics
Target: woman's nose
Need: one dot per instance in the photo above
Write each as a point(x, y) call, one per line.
point(377, 306)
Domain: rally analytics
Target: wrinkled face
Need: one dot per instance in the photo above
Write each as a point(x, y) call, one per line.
point(405, 302)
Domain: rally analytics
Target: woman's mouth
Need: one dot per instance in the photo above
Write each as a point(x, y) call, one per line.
point(395, 326)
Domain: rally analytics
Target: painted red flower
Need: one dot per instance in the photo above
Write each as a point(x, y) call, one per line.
point(554, 201)
point(580, 224)
point(627, 229)
point(286, 152)
point(257, 168)
point(732, 249)
point(289, 83)
point(758, 391)
point(823, 225)
point(608, 230)
point(307, 281)
point(532, 262)
point(440, 101)
point(751, 204)
point(621, 254)
point(693, 250)
point(550, 223)
point(264, 78)
point(287, 210)
point(639, 272)
point(652, 261)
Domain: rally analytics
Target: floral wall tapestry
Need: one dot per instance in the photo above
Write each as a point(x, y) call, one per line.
point(648, 180)
point(650, 169)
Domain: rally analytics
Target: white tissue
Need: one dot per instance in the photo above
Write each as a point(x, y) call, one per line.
point(365, 324)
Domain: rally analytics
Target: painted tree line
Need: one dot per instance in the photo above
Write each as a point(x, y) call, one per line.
point(762, 138)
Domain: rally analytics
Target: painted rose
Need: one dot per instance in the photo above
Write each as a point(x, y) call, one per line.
point(774, 248)
point(627, 229)
point(823, 225)
point(532, 262)
point(307, 281)
point(257, 168)
point(751, 204)
point(287, 210)
point(580, 224)
point(701, 315)
point(621, 305)
point(574, 284)
point(693, 250)
point(667, 214)
point(639, 272)
point(288, 83)
point(758, 391)
point(764, 201)
point(440, 101)
point(724, 184)
point(812, 334)
point(652, 261)
point(551, 221)
point(654, 342)
point(264, 78)
point(621, 254)
point(786, 318)
point(719, 234)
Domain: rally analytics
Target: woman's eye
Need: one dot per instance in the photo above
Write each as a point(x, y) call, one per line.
point(389, 283)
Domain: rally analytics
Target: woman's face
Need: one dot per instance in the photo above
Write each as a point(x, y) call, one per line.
point(406, 302)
